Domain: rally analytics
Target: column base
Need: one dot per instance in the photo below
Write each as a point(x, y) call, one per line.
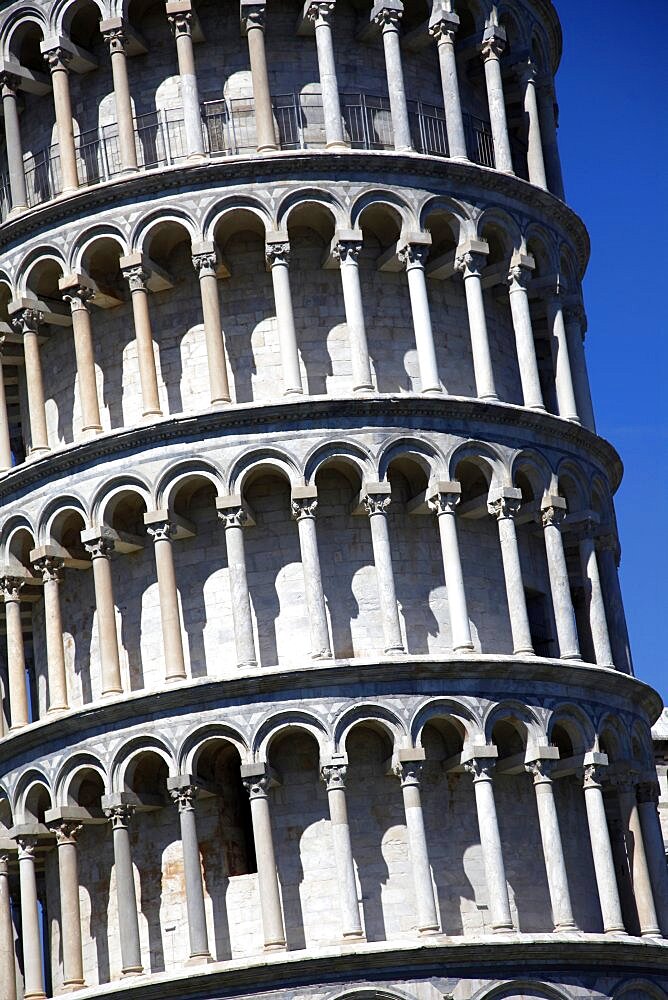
point(566, 928)
point(112, 694)
point(404, 149)
point(72, 985)
point(397, 650)
point(489, 397)
point(353, 937)
point(527, 651)
point(460, 159)
point(619, 931)
point(151, 414)
point(35, 996)
point(55, 709)
point(572, 656)
point(432, 392)
point(199, 960)
point(196, 157)
point(90, 432)
point(574, 420)
point(268, 149)
point(275, 946)
point(15, 212)
point(651, 933)
point(337, 146)
point(360, 389)
point(293, 392)
point(18, 728)
point(132, 970)
point(39, 452)
point(224, 401)
point(247, 663)
point(467, 648)
point(176, 678)
point(324, 654)
point(503, 929)
point(429, 931)
point(536, 408)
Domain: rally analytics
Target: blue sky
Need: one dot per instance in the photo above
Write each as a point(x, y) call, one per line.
point(612, 89)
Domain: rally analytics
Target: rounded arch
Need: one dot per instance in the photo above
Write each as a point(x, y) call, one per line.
point(506, 229)
point(18, 540)
point(55, 510)
point(280, 723)
point(575, 723)
point(522, 989)
point(36, 271)
point(638, 989)
point(17, 28)
point(92, 240)
point(402, 212)
point(446, 709)
point(64, 11)
point(456, 215)
point(343, 451)
point(371, 993)
point(320, 197)
point(231, 210)
point(490, 460)
point(33, 796)
point(426, 454)
point(573, 484)
point(532, 474)
point(370, 713)
point(128, 755)
point(518, 715)
point(613, 738)
point(264, 460)
point(73, 772)
point(542, 246)
point(176, 477)
point(111, 492)
point(199, 737)
point(147, 229)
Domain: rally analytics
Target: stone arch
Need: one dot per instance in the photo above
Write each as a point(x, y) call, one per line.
point(371, 993)
point(256, 461)
point(348, 452)
point(54, 510)
point(323, 199)
point(374, 715)
point(536, 470)
point(638, 989)
point(541, 244)
point(522, 989)
point(230, 209)
point(33, 790)
point(430, 458)
point(73, 772)
point(449, 209)
point(199, 736)
point(489, 459)
point(641, 744)
point(126, 758)
point(6, 815)
point(573, 485)
point(392, 203)
point(38, 266)
point(613, 738)
point(109, 493)
point(145, 230)
point(518, 715)
point(577, 725)
point(280, 723)
point(449, 709)
point(84, 246)
point(18, 540)
point(13, 30)
point(177, 476)
point(64, 11)
point(503, 223)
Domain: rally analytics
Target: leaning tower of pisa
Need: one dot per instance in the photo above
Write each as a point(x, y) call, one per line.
point(315, 679)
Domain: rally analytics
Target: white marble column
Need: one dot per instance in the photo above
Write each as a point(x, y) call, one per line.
point(70, 912)
point(563, 379)
point(593, 592)
point(234, 516)
point(548, 128)
point(253, 15)
point(387, 15)
point(78, 294)
point(304, 502)
point(334, 776)
point(575, 321)
point(7, 956)
point(607, 549)
point(162, 530)
point(6, 458)
point(505, 507)
point(27, 322)
point(113, 32)
point(9, 85)
point(376, 501)
point(518, 279)
point(471, 265)
point(180, 17)
point(278, 262)
point(50, 568)
point(648, 798)
point(258, 779)
point(205, 266)
point(320, 12)
point(635, 851)
point(346, 249)
point(493, 44)
point(409, 769)
point(58, 60)
point(443, 25)
point(126, 898)
point(553, 852)
point(443, 503)
point(136, 277)
point(490, 841)
point(535, 161)
point(553, 511)
point(414, 255)
point(185, 796)
point(100, 547)
point(19, 712)
point(604, 868)
point(31, 937)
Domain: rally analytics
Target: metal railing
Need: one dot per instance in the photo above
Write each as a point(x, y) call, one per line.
point(229, 129)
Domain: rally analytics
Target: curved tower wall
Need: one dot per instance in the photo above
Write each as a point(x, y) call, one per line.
point(316, 670)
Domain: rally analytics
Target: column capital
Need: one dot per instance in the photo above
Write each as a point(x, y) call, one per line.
point(136, 276)
point(507, 503)
point(319, 11)
point(407, 766)
point(25, 317)
point(648, 791)
point(11, 587)
point(233, 512)
point(552, 511)
point(377, 498)
point(27, 845)
point(66, 831)
point(445, 498)
point(258, 779)
point(334, 776)
point(493, 42)
point(608, 540)
point(76, 290)
point(347, 248)
point(184, 797)
point(575, 313)
point(57, 58)
point(119, 815)
point(205, 262)
point(387, 14)
point(443, 23)
point(9, 82)
point(541, 770)
point(98, 542)
point(414, 253)
point(521, 269)
point(481, 768)
point(180, 17)
point(277, 252)
point(304, 502)
point(161, 530)
point(593, 774)
point(50, 566)
point(253, 14)
point(527, 72)
point(114, 33)
point(471, 261)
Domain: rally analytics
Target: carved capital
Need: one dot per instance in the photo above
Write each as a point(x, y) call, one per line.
point(11, 587)
point(254, 17)
point(493, 47)
point(119, 816)
point(136, 278)
point(79, 296)
point(27, 848)
point(51, 568)
point(552, 516)
point(27, 321)
point(304, 508)
point(233, 517)
point(100, 547)
point(541, 770)
point(204, 263)
point(519, 276)
point(58, 58)
point(258, 786)
point(277, 253)
point(161, 531)
point(481, 768)
point(347, 251)
point(115, 38)
point(648, 791)
point(9, 84)
point(319, 11)
point(470, 263)
point(376, 503)
point(334, 776)
point(67, 832)
point(592, 776)
point(181, 23)
point(184, 797)
point(504, 507)
point(443, 503)
point(443, 24)
point(414, 254)
point(409, 772)
point(388, 18)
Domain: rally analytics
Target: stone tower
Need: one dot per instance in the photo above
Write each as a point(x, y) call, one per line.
point(316, 682)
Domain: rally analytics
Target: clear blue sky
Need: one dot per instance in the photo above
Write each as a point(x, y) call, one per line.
point(612, 88)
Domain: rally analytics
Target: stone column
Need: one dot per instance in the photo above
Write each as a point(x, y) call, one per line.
point(50, 567)
point(505, 508)
point(9, 85)
point(493, 44)
point(635, 852)
point(334, 776)
point(518, 279)
point(490, 841)
point(33, 975)
point(205, 265)
point(320, 11)
point(376, 501)
point(179, 15)
point(79, 295)
point(552, 515)
point(278, 262)
point(347, 252)
point(126, 898)
point(100, 547)
point(70, 912)
point(257, 780)
point(443, 25)
point(114, 35)
point(548, 127)
point(409, 769)
point(535, 162)
point(184, 796)
point(303, 504)
point(27, 322)
point(648, 798)
point(563, 380)
point(253, 23)
point(414, 256)
point(136, 277)
point(576, 323)
point(471, 264)
point(607, 547)
point(162, 532)
point(593, 592)
point(553, 852)
point(7, 958)
point(16, 664)
point(604, 869)
point(5, 440)
point(234, 516)
point(387, 15)
point(58, 60)
point(443, 503)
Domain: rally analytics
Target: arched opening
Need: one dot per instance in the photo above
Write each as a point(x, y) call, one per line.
point(447, 300)
point(500, 328)
point(14, 380)
point(533, 560)
point(19, 566)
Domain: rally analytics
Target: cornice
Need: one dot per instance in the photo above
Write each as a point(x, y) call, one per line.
point(442, 414)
